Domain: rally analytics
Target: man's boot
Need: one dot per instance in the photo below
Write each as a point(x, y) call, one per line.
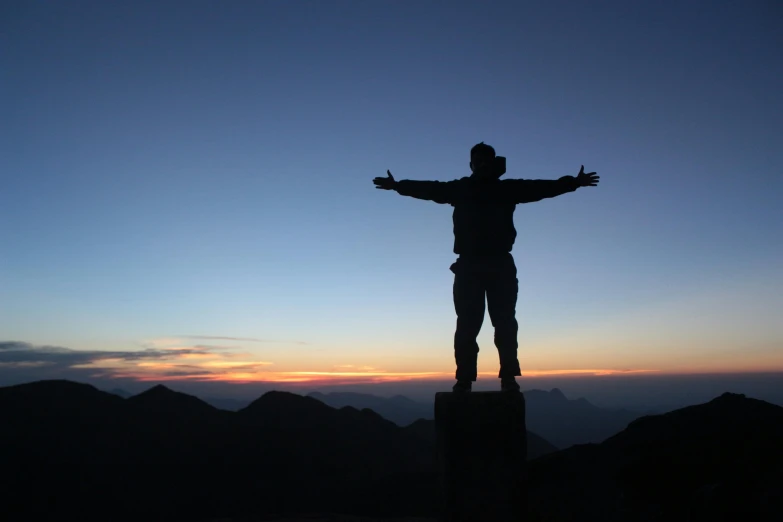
point(462, 386)
point(509, 384)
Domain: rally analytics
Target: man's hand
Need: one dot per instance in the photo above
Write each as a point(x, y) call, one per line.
point(386, 183)
point(589, 179)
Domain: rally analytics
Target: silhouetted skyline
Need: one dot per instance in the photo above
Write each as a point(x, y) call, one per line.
point(193, 181)
point(285, 454)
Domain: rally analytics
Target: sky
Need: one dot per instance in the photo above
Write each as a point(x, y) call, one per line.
point(186, 187)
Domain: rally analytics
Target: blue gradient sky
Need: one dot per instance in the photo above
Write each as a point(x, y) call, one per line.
point(178, 169)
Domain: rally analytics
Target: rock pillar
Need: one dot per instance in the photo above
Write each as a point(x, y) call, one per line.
point(482, 449)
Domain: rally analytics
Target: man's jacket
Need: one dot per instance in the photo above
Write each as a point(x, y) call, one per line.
point(484, 208)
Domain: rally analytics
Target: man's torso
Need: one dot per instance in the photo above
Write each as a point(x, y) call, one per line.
point(483, 218)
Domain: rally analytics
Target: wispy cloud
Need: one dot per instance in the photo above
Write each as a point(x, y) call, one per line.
point(180, 362)
point(170, 360)
point(17, 352)
point(240, 339)
point(353, 368)
point(564, 372)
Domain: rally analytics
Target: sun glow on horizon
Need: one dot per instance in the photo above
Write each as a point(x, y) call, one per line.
point(344, 377)
point(172, 360)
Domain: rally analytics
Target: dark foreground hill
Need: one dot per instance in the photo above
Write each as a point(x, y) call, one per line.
point(69, 450)
point(719, 461)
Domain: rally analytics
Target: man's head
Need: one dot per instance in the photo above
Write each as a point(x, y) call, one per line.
point(481, 158)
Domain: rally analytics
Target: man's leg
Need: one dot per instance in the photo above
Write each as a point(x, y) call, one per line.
point(469, 305)
point(502, 289)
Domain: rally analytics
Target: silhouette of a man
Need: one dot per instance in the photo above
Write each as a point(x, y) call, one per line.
point(484, 235)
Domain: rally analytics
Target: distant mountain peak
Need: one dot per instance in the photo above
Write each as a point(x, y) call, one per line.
point(557, 393)
point(276, 400)
point(729, 413)
point(399, 409)
point(63, 394)
point(120, 393)
point(159, 390)
point(56, 384)
point(162, 398)
point(58, 388)
point(279, 394)
point(403, 398)
point(728, 396)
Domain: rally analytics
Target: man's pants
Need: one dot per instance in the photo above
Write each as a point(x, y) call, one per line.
point(495, 277)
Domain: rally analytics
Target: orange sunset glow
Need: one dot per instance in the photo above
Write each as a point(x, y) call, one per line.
point(208, 364)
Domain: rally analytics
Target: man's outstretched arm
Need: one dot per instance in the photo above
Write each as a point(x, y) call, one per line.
point(530, 190)
point(437, 191)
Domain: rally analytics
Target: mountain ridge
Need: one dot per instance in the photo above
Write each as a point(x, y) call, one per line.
point(720, 460)
point(560, 421)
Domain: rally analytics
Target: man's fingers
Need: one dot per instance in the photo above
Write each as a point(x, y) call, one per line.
point(591, 181)
point(588, 180)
